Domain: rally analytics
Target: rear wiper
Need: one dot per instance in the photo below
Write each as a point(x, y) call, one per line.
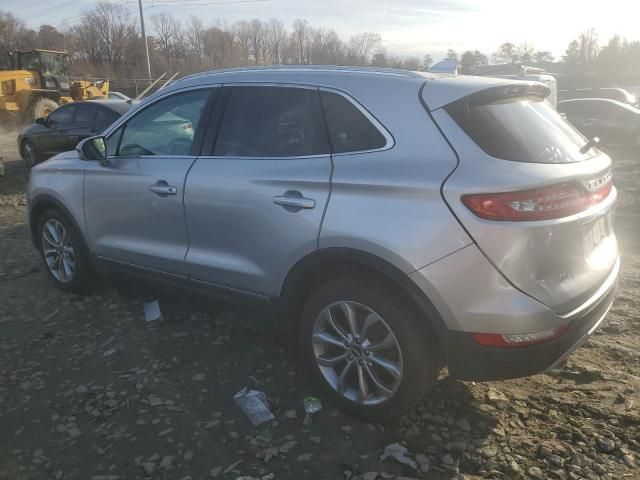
point(590, 144)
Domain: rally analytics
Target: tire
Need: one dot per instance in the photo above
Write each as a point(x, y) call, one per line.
point(40, 108)
point(76, 257)
point(29, 154)
point(412, 356)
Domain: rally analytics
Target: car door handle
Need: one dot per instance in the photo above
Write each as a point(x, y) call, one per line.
point(162, 189)
point(294, 200)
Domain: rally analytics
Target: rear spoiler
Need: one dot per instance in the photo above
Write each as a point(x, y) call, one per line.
point(441, 91)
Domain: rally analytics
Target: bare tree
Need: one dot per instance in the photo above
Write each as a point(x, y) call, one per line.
point(362, 46)
point(300, 41)
point(507, 53)
point(276, 40)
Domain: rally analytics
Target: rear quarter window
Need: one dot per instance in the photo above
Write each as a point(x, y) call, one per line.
point(349, 129)
point(523, 129)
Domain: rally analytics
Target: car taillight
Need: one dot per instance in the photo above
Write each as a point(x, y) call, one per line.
point(519, 340)
point(539, 203)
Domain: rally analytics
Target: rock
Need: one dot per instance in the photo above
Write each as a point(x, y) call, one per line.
point(447, 459)
point(287, 446)
point(514, 467)
point(215, 472)
point(369, 476)
point(499, 398)
point(605, 444)
point(73, 432)
point(304, 457)
point(463, 424)
point(290, 414)
point(556, 460)
point(579, 460)
point(544, 452)
point(599, 469)
point(535, 472)
point(188, 456)
point(167, 461)
point(149, 468)
point(315, 440)
point(629, 461)
point(81, 389)
point(423, 462)
point(198, 377)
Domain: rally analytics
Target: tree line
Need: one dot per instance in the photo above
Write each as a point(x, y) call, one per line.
point(105, 41)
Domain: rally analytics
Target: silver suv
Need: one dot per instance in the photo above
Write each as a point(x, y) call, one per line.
point(399, 221)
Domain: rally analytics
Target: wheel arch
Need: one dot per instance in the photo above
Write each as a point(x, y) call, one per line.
point(320, 266)
point(39, 205)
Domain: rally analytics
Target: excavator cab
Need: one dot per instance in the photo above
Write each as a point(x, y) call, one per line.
point(51, 66)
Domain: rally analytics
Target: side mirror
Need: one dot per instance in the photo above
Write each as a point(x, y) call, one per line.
point(41, 121)
point(93, 148)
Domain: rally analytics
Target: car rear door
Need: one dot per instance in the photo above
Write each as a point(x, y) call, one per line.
point(134, 201)
point(254, 203)
point(82, 126)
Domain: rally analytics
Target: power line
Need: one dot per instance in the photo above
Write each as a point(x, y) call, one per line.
point(57, 7)
point(194, 3)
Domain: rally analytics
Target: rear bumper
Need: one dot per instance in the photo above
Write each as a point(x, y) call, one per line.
point(471, 296)
point(468, 360)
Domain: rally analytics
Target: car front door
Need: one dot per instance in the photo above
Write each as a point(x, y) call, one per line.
point(83, 125)
point(53, 138)
point(254, 204)
point(134, 201)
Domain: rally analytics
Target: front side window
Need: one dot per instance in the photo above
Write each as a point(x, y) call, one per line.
point(166, 127)
point(62, 114)
point(349, 129)
point(272, 122)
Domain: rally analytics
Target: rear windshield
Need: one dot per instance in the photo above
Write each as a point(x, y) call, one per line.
point(524, 129)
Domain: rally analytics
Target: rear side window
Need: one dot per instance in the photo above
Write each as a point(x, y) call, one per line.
point(105, 117)
point(84, 114)
point(349, 129)
point(272, 122)
point(523, 129)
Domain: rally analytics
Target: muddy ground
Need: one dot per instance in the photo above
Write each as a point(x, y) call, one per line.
point(89, 390)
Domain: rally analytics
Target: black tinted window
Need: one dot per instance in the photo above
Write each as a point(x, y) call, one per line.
point(166, 127)
point(84, 114)
point(105, 117)
point(62, 114)
point(520, 129)
point(272, 122)
point(349, 129)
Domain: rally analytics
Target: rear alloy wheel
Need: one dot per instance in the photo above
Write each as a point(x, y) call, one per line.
point(357, 353)
point(367, 347)
point(63, 253)
point(29, 154)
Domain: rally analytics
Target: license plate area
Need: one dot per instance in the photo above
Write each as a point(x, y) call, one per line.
point(594, 232)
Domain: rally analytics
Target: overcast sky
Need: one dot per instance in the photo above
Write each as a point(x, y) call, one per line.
point(408, 27)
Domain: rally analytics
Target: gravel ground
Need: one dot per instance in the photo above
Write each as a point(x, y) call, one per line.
point(89, 390)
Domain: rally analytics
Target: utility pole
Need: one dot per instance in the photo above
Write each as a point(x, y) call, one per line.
point(144, 39)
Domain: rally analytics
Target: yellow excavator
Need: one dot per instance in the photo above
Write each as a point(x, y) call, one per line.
point(36, 82)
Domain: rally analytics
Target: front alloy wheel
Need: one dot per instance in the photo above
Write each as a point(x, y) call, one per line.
point(57, 249)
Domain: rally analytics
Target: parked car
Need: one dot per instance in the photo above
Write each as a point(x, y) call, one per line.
point(397, 221)
point(118, 96)
point(612, 93)
point(615, 123)
point(67, 125)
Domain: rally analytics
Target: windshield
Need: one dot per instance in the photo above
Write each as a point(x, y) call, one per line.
point(521, 129)
point(50, 64)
